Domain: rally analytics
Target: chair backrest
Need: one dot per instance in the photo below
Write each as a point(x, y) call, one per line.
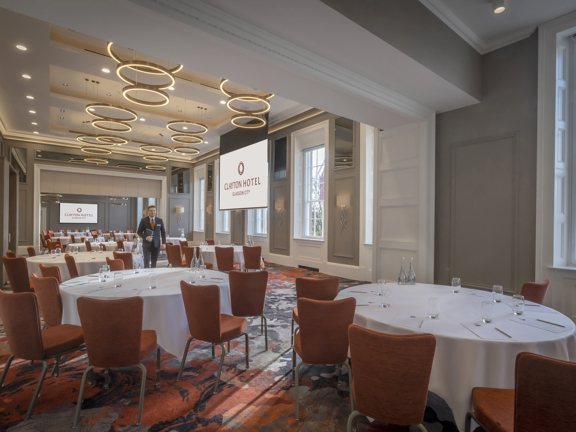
point(535, 292)
point(65, 232)
point(248, 292)
point(112, 330)
point(202, 304)
point(544, 394)
point(51, 233)
point(54, 244)
point(11, 254)
point(391, 374)
point(120, 244)
point(317, 289)
point(45, 232)
point(183, 243)
point(252, 257)
point(116, 231)
point(126, 258)
point(130, 231)
point(71, 263)
point(51, 271)
point(43, 240)
point(103, 246)
point(17, 271)
point(49, 299)
point(21, 320)
point(210, 242)
point(72, 238)
point(31, 251)
point(225, 258)
point(324, 329)
point(88, 246)
point(115, 264)
point(189, 254)
point(173, 255)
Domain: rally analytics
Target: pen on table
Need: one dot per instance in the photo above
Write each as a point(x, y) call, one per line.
point(363, 292)
point(548, 322)
point(505, 334)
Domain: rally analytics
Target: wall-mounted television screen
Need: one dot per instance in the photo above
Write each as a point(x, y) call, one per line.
point(78, 213)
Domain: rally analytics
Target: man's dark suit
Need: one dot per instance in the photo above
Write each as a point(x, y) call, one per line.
point(151, 249)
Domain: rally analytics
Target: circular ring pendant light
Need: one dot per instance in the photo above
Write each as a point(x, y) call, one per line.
point(101, 119)
point(262, 121)
point(96, 150)
point(155, 148)
point(102, 140)
point(202, 129)
point(247, 114)
point(97, 161)
point(156, 167)
point(153, 158)
point(129, 166)
point(186, 139)
point(186, 150)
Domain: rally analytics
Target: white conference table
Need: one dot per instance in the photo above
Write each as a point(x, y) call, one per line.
point(110, 246)
point(469, 353)
point(163, 307)
point(86, 262)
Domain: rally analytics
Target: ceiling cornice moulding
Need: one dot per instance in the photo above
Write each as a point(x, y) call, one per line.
point(227, 27)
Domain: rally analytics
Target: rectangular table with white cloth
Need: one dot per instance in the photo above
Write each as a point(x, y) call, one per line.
point(86, 262)
point(163, 306)
point(469, 353)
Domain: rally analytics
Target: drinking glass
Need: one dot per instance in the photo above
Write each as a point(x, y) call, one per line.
point(75, 249)
point(497, 293)
point(456, 285)
point(433, 307)
point(518, 304)
point(118, 277)
point(386, 297)
point(202, 272)
point(219, 243)
point(381, 286)
point(242, 268)
point(487, 311)
point(136, 267)
point(93, 257)
point(106, 267)
point(102, 275)
point(58, 251)
point(120, 250)
point(191, 275)
point(152, 280)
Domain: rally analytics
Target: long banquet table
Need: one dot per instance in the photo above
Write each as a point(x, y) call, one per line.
point(86, 262)
point(469, 353)
point(163, 307)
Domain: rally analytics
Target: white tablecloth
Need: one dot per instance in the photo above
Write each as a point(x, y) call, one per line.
point(77, 239)
point(86, 262)
point(464, 359)
point(110, 246)
point(130, 236)
point(176, 240)
point(209, 255)
point(163, 307)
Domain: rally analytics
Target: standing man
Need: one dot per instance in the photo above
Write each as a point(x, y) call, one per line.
point(150, 230)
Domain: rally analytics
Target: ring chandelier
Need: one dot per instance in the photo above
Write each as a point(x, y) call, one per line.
point(102, 140)
point(185, 150)
point(155, 148)
point(97, 161)
point(129, 166)
point(185, 136)
point(120, 122)
point(96, 150)
point(181, 138)
point(154, 158)
point(148, 68)
point(247, 114)
point(156, 167)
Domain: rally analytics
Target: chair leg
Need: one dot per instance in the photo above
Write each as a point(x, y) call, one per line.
point(296, 396)
point(106, 379)
point(228, 346)
point(353, 415)
point(184, 358)
point(352, 402)
point(81, 396)
point(293, 366)
point(142, 388)
point(292, 333)
point(470, 416)
point(91, 382)
point(5, 371)
point(265, 321)
point(38, 387)
point(220, 367)
point(213, 351)
point(339, 367)
point(247, 351)
point(261, 324)
point(158, 367)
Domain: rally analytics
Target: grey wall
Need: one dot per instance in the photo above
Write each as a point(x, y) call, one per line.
point(412, 28)
point(279, 225)
point(486, 176)
point(180, 200)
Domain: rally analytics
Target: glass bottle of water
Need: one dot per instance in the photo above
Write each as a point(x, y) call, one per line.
point(200, 260)
point(194, 264)
point(402, 278)
point(411, 274)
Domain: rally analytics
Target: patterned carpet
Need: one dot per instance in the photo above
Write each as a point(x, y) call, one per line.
point(258, 399)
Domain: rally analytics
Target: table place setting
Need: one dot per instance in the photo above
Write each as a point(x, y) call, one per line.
point(547, 324)
point(408, 320)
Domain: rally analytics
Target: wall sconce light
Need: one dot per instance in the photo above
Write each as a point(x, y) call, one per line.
point(209, 210)
point(343, 201)
point(279, 206)
point(179, 210)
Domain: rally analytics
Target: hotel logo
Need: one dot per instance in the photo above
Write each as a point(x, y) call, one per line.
point(241, 168)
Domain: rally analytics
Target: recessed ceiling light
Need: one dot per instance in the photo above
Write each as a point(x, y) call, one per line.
point(108, 94)
point(26, 76)
point(29, 97)
point(21, 47)
point(498, 6)
point(142, 119)
point(209, 118)
point(65, 85)
point(184, 127)
point(205, 142)
point(105, 70)
point(222, 102)
point(170, 88)
point(90, 109)
point(35, 124)
point(35, 132)
point(153, 149)
point(32, 112)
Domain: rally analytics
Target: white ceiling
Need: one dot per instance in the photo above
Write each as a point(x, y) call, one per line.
point(476, 23)
point(60, 61)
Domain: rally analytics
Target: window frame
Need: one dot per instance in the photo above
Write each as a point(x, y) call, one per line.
point(309, 155)
point(222, 217)
point(199, 198)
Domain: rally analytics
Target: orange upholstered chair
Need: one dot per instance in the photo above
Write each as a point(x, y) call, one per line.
point(248, 296)
point(130, 231)
point(88, 246)
point(17, 271)
point(390, 376)
point(51, 271)
point(11, 254)
point(119, 244)
point(224, 258)
point(55, 244)
point(126, 258)
point(115, 339)
point(535, 292)
point(72, 238)
point(252, 257)
point(115, 264)
point(51, 233)
point(21, 319)
point(543, 398)
point(183, 243)
point(316, 289)
point(210, 242)
point(71, 264)
point(103, 246)
point(31, 251)
point(43, 241)
point(189, 256)
point(49, 299)
point(323, 334)
point(207, 323)
point(65, 232)
point(173, 255)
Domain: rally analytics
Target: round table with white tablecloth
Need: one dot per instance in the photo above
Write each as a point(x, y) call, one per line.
point(86, 262)
point(110, 246)
point(209, 255)
point(129, 236)
point(163, 307)
point(469, 353)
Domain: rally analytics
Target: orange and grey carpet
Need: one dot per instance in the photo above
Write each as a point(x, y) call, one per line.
point(258, 399)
